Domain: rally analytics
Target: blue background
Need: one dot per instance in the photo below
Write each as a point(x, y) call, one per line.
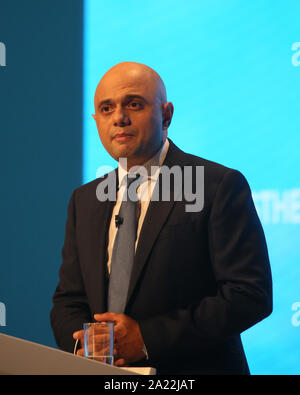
point(40, 154)
point(234, 80)
point(228, 69)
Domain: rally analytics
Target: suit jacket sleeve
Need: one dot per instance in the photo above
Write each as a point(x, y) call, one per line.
point(240, 264)
point(70, 305)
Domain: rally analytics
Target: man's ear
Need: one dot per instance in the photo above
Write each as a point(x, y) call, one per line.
point(168, 110)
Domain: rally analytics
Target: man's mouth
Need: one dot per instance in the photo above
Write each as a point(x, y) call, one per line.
point(120, 137)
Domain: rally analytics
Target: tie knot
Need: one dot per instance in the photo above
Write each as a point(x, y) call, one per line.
point(131, 188)
point(130, 178)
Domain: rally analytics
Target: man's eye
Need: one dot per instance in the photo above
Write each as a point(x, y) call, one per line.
point(106, 108)
point(135, 105)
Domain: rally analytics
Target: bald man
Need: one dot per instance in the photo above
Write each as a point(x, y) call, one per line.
point(199, 277)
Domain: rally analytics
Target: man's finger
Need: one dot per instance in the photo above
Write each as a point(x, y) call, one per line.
point(120, 362)
point(80, 352)
point(113, 317)
point(78, 335)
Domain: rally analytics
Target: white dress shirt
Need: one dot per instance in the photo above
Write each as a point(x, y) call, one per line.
point(144, 193)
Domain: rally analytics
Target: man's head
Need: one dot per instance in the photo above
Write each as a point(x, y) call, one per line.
point(131, 112)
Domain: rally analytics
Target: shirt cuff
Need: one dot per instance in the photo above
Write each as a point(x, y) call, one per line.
point(144, 349)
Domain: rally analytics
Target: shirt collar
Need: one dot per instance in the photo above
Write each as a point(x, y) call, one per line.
point(156, 160)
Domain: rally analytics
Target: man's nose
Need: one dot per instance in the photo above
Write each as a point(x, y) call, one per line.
point(121, 117)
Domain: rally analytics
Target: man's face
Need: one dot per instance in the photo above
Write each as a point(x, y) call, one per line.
point(130, 114)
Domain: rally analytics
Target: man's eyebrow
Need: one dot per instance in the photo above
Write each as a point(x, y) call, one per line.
point(125, 99)
point(135, 96)
point(106, 101)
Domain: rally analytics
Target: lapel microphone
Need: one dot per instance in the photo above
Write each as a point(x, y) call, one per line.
point(118, 220)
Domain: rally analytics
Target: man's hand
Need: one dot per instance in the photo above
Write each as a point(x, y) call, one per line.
point(128, 346)
point(79, 336)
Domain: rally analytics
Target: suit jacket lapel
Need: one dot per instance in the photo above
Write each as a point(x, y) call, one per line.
point(156, 217)
point(99, 275)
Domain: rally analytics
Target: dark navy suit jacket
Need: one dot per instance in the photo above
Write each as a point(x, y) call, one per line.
point(199, 279)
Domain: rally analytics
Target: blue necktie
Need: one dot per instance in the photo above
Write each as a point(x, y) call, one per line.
point(123, 250)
